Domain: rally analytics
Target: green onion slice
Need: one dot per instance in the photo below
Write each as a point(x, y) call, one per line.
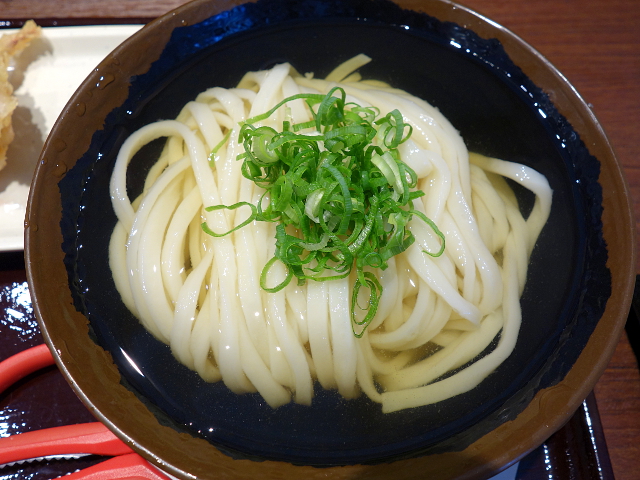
point(339, 192)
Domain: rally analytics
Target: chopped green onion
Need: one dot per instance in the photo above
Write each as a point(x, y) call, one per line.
point(251, 218)
point(342, 187)
point(212, 155)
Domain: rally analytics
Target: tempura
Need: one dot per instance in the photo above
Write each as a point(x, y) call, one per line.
point(10, 46)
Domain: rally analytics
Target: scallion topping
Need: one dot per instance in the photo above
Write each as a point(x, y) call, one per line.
point(340, 194)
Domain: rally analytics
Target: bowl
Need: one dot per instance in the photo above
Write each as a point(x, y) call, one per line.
point(505, 99)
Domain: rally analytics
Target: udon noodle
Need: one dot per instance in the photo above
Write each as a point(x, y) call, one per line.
point(202, 296)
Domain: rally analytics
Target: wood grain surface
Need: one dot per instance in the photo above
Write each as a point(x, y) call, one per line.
point(595, 44)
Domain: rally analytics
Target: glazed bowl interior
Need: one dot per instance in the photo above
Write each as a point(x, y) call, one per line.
point(499, 112)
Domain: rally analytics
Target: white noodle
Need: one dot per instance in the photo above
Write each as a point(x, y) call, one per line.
point(202, 295)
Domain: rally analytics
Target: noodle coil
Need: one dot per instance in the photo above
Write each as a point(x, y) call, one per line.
point(202, 296)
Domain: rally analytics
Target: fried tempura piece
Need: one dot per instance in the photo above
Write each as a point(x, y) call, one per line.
point(11, 45)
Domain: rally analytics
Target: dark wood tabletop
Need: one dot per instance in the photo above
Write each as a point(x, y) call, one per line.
point(595, 44)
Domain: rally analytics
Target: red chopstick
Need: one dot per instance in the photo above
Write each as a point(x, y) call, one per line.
point(22, 364)
point(69, 440)
point(84, 438)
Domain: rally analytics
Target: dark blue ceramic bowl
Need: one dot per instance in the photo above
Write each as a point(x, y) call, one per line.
point(186, 425)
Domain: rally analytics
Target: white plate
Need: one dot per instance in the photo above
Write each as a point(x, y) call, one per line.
point(44, 77)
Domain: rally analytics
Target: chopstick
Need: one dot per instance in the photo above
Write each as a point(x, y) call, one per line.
point(68, 441)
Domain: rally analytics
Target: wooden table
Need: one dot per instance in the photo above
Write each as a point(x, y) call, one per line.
point(595, 43)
